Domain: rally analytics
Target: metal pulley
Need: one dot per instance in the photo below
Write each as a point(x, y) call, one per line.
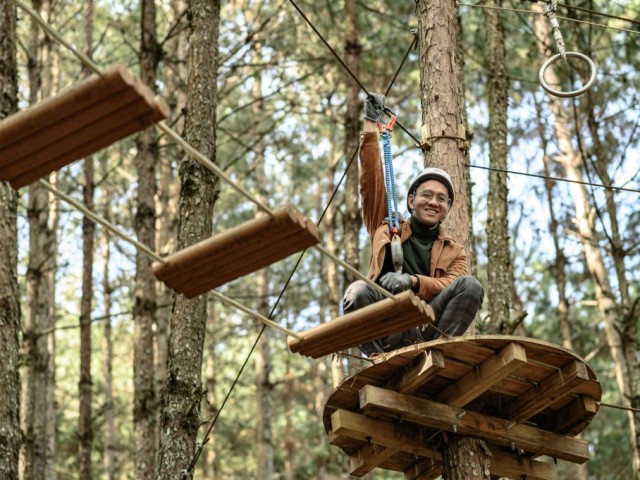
point(396, 254)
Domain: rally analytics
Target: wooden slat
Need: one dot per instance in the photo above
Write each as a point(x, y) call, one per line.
point(79, 121)
point(364, 325)
point(556, 385)
point(440, 416)
point(204, 265)
point(425, 367)
point(381, 432)
point(368, 458)
point(425, 470)
point(514, 466)
point(489, 372)
point(581, 409)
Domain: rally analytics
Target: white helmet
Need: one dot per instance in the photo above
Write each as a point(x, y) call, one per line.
point(428, 174)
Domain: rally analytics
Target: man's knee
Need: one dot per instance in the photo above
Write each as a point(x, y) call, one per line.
point(357, 295)
point(472, 289)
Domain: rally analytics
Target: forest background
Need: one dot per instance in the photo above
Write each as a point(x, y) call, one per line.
point(284, 130)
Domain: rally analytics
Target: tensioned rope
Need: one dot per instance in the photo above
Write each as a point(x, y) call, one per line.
point(194, 153)
point(569, 19)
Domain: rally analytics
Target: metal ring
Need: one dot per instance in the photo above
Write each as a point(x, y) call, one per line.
point(574, 93)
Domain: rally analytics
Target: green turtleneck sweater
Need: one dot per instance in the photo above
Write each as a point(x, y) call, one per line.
point(416, 250)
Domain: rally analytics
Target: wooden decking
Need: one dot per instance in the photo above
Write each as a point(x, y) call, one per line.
point(525, 398)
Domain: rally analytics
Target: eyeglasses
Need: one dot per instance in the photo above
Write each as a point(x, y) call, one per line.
point(427, 195)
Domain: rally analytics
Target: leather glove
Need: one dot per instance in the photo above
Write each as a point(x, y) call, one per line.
point(373, 107)
point(396, 282)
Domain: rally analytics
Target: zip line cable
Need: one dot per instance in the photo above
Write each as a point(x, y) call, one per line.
point(594, 12)
point(569, 19)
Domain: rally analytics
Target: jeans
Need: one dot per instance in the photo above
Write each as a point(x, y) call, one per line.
point(454, 308)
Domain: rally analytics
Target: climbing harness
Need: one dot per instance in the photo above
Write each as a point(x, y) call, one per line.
point(392, 197)
point(550, 12)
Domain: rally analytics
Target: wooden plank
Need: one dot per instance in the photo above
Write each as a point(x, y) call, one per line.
point(381, 432)
point(440, 416)
point(514, 466)
point(581, 409)
point(194, 270)
point(103, 132)
point(367, 458)
point(369, 323)
point(490, 372)
point(558, 384)
point(27, 123)
point(425, 367)
point(424, 470)
point(77, 122)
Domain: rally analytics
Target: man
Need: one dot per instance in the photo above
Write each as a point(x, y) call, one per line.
point(434, 266)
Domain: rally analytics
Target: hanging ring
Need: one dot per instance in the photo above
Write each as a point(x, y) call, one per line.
point(573, 93)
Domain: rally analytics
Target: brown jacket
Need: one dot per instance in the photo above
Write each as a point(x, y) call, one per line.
point(448, 258)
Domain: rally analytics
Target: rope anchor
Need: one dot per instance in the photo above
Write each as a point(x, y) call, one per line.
point(550, 13)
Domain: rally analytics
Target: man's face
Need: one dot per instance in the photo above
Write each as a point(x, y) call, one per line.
point(430, 203)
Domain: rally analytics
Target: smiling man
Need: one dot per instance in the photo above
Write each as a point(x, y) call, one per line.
point(433, 265)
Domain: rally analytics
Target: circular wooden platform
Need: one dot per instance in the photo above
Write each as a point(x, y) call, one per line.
point(522, 396)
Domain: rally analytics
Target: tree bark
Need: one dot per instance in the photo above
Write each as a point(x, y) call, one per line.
point(352, 126)
point(145, 400)
point(465, 458)
point(498, 251)
point(109, 454)
point(9, 305)
point(442, 107)
point(85, 429)
point(183, 390)
point(443, 112)
point(209, 469)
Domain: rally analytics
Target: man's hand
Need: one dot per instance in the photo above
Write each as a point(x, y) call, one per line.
point(373, 107)
point(396, 282)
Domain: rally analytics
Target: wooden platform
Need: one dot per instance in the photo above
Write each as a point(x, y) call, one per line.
point(525, 398)
point(237, 252)
point(75, 123)
point(364, 325)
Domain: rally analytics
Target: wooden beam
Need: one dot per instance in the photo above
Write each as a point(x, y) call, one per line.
point(514, 466)
point(367, 458)
point(557, 385)
point(384, 433)
point(440, 416)
point(425, 470)
point(422, 369)
point(581, 409)
point(489, 373)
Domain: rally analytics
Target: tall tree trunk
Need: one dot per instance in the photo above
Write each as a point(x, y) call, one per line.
point(352, 127)
point(442, 112)
point(623, 347)
point(183, 391)
point(9, 305)
point(85, 429)
point(50, 85)
point(209, 469)
point(498, 252)
point(145, 400)
point(264, 409)
point(107, 347)
point(33, 450)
